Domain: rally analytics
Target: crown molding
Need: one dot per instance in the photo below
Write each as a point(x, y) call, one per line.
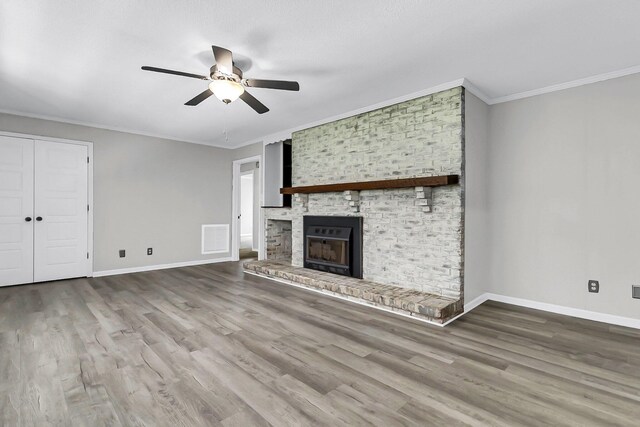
point(286, 134)
point(566, 85)
point(104, 127)
point(464, 82)
point(468, 86)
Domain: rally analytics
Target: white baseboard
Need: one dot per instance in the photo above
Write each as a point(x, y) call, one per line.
point(333, 295)
point(475, 302)
point(158, 267)
point(557, 309)
point(468, 307)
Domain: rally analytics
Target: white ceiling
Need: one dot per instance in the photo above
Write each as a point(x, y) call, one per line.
point(79, 60)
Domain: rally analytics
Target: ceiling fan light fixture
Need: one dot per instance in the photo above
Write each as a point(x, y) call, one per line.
point(226, 90)
point(227, 82)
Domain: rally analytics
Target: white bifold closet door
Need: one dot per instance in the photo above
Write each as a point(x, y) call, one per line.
point(60, 237)
point(44, 208)
point(16, 211)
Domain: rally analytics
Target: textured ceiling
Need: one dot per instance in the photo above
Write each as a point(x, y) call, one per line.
point(79, 61)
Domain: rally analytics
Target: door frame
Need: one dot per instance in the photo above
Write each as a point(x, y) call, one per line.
point(251, 173)
point(235, 207)
point(89, 146)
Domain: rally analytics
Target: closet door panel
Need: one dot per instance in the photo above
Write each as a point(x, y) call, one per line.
point(60, 211)
point(16, 211)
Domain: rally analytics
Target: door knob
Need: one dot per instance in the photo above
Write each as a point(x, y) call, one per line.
point(28, 219)
point(38, 218)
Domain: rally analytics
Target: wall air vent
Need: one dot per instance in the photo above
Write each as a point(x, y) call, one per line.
point(635, 291)
point(215, 238)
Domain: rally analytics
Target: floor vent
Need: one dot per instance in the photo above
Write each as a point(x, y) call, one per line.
point(215, 238)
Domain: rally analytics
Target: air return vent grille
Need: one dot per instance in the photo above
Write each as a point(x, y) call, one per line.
point(215, 238)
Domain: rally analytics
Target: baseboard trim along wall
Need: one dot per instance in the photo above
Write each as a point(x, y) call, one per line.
point(553, 308)
point(468, 307)
point(158, 267)
point(475, 302)
point(275, 279)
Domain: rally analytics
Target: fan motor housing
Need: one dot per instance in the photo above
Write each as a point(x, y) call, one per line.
point(217, 75)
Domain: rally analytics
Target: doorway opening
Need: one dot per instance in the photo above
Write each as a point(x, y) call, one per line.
point(246, 227)
point(248, 241)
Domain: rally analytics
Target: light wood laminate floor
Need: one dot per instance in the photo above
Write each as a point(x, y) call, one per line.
point(209, 345)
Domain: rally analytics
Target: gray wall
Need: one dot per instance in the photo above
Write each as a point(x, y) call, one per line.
point(273, 158)
point(564, 203)
point(246, 151)
point(476, 227)
point(148, 192)
point(560, 207)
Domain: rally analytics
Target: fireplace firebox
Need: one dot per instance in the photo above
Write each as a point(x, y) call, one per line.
point(333, 244)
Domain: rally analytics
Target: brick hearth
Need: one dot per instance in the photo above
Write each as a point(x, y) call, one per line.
point(411, 302)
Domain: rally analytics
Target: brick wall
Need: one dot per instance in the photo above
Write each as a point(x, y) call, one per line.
point(403, 245)
point(278, 235)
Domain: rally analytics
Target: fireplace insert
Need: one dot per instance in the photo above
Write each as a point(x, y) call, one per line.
point(333, 244)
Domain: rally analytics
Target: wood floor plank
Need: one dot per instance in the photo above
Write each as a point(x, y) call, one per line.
point(211, 346)
point(264, 400)
point(368, 408)
point(456, 408)
point(245, 418)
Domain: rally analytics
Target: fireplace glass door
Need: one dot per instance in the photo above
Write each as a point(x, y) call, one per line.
point(333, 244)
point(328, 251)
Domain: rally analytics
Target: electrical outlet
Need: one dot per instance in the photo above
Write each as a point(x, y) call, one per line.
point(594, 286)
point(121, 252)
point(149, 251)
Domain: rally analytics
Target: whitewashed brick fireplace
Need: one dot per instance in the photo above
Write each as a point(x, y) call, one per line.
point(412, 237)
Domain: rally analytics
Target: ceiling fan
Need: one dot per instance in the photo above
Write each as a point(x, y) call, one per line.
point(227, 83)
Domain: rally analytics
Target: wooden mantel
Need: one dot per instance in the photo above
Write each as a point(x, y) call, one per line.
point(426, 181)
